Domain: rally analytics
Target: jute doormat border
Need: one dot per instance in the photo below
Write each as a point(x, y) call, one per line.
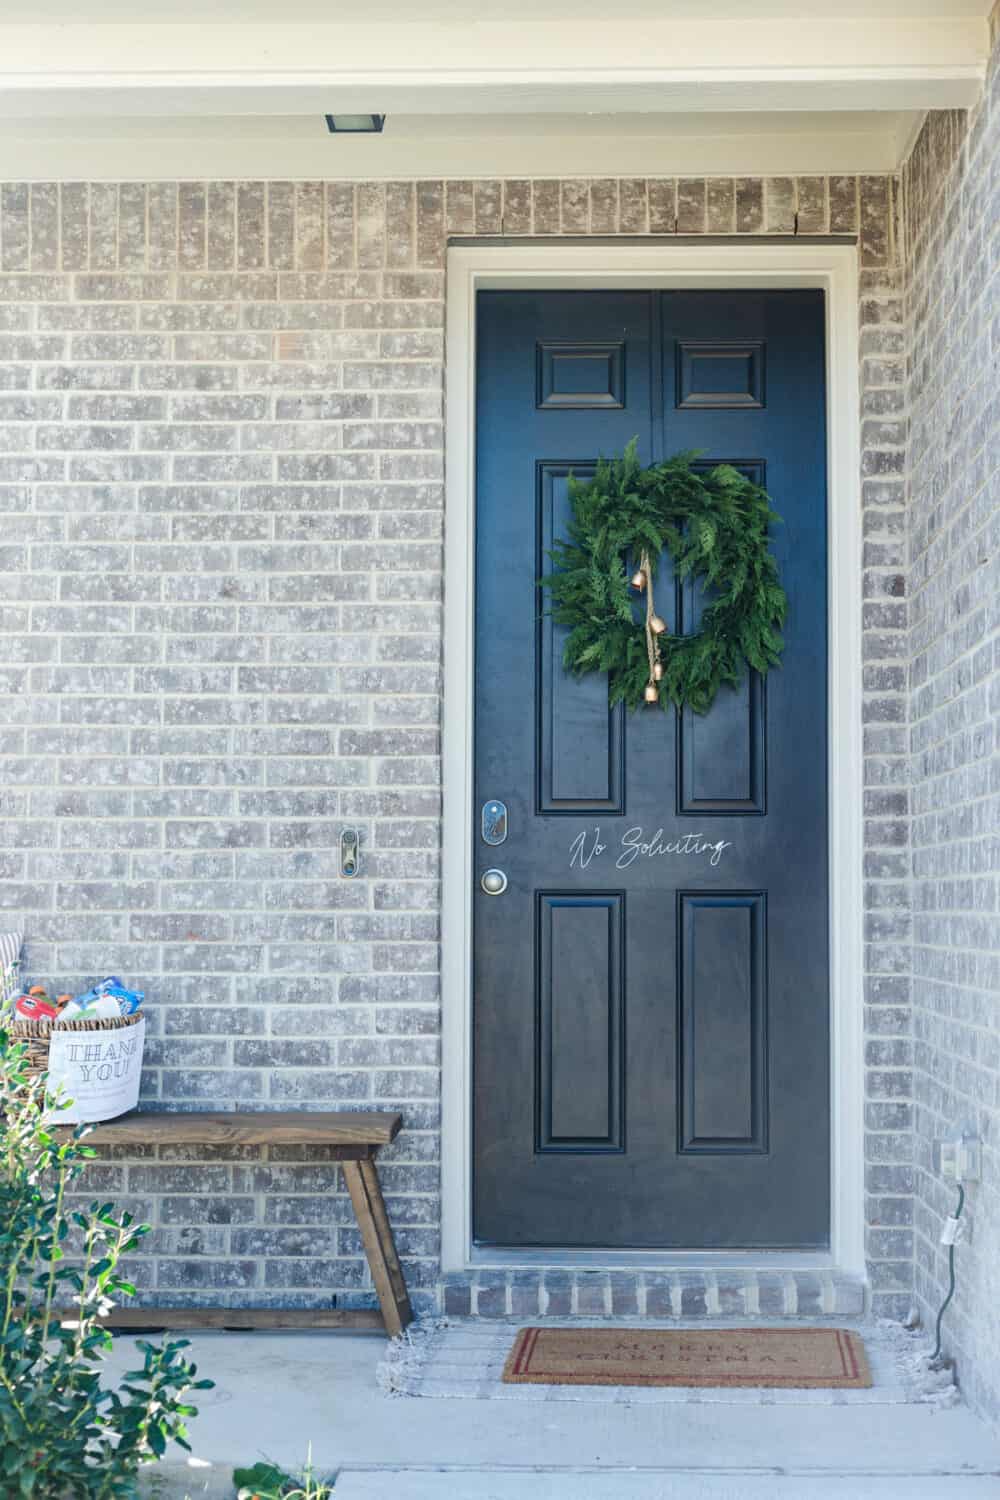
point(596, 1356)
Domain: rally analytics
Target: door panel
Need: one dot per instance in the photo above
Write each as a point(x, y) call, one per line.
point(651, 1022)
point(580, 739)
point(723, 995)
point(722, 755)
point(581, 995)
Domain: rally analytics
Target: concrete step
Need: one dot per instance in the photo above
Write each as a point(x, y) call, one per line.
point(280, 1395)
point(667, 1484)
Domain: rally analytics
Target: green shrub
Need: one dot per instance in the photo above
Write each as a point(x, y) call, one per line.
point(63, 1436)
point(266, 1481)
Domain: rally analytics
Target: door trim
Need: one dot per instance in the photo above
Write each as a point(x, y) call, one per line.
point(657, 265)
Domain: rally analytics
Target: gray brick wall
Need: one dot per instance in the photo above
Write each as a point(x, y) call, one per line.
point(953, 209)
point(220, 578)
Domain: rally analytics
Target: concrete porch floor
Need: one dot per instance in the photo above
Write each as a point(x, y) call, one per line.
point(277, 1393)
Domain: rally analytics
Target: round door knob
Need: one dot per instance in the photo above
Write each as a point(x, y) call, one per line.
point(494, 882)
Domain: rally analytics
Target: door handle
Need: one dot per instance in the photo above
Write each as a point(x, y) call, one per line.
point(493, 882)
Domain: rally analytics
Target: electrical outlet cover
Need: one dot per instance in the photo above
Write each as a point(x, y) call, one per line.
point(959, 1160)
point(946, 1160)
point(969, 1159)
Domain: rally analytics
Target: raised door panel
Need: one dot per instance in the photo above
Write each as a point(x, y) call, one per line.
point(722, 1051)
point(580, 1010)
point(720, 376)
point(578, 376)
point(581, 749)
point(722, 755)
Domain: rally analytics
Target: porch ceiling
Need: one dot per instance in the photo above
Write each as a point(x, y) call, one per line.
point(669, 83)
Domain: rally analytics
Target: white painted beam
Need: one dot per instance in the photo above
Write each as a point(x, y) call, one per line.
point(456, 12)
point(144, 149)
point(698, 95)
point(490, 67)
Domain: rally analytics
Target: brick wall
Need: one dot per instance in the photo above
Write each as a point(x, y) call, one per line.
point(954, 568)
point(220, 640)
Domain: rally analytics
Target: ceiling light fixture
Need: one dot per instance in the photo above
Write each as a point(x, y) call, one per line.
point(355, 124)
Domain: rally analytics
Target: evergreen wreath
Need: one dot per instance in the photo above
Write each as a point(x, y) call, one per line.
point(714, 524)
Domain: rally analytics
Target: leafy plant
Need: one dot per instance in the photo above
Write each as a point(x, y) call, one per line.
point(714, 526)
point(62, 1434)
point(266, 1481)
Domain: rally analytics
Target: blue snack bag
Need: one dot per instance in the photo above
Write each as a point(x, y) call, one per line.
point(112, 988)
point(128, 1000)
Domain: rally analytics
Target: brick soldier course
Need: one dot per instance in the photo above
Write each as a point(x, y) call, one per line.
point(221, 510)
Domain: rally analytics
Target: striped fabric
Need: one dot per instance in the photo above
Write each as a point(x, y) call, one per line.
point(10, 953)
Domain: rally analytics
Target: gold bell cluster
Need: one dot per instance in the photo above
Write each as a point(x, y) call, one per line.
point(642, 580)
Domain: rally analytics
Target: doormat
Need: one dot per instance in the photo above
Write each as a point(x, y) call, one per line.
point(802, 1358)
point(449, 1358)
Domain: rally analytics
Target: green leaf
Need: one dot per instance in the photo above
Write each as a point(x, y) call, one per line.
point(262, 1479)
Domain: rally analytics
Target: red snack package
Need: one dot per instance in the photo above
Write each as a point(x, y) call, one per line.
point(34, 1008)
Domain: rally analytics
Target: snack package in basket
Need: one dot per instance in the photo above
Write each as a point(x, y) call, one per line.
point(108, 999)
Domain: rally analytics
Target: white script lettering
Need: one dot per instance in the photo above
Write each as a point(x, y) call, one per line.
point(635, 846)
point(578, 852)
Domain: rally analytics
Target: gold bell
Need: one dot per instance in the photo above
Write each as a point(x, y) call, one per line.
point(638, 579)
point(651, 693)
point(658, 671)
point(656, 625)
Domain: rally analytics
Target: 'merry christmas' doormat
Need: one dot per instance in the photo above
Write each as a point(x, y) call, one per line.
point(831, 1358)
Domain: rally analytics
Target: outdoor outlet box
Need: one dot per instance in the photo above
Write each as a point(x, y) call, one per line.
point(959, 1160)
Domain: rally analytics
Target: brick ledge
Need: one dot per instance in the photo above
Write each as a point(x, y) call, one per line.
point(530, 1293)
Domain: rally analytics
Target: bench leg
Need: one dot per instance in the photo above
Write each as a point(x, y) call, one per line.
point(380, 1247)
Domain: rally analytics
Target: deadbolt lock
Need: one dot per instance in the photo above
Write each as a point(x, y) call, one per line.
point(494, 823)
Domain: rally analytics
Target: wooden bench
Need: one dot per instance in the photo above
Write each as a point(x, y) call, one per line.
point(353, 1140)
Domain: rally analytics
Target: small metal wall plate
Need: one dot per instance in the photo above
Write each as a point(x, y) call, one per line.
point(350, 853)
point(494, 823)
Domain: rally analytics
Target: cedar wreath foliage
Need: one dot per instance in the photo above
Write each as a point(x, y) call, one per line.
point(62, 1436)
point(714, 525)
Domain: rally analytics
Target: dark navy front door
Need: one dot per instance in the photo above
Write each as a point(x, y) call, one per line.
point(651, 997)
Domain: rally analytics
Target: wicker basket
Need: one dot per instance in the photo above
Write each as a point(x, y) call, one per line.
point(37, 1036)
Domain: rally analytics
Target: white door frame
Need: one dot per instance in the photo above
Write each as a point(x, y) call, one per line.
point(832, 268)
